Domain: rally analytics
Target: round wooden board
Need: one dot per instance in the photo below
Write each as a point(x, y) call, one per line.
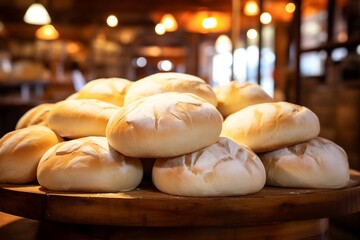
point(147, 207)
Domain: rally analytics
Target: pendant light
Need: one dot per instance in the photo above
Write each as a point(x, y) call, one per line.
point(251, 8)
point(36, 14)
point(47, 32)
point(169, 21)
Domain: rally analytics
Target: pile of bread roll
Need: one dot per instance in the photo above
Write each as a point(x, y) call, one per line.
point(192, 139)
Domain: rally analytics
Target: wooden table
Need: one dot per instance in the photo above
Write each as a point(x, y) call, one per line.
point(145, 213)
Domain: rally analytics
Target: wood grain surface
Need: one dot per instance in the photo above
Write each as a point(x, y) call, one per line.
point(147, 207)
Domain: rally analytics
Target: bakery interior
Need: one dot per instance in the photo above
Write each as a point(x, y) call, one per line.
point(310, 55)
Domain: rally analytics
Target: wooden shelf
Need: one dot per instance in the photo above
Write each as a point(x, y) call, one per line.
point(333, 45)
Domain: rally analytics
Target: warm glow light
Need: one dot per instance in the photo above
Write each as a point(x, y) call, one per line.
point(265, 18)
point(165, 65)
point(251, 8)
point(223, 44)
point(160, 29)
point(47, 32)
point(169, 22)
point(251, 34)
point(37, 14)
point(192, 21)
point(310, 28)
point(342, 37)
point(72, 48)
point(290, 7)
point(112, 21)
point(209, 22)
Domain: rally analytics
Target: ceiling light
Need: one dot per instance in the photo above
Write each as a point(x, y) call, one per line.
point(290, 7)
point(251, 34)
point(251, 8)
point(47, 32)
point(72, 48)
point(37, 14)
point(165, 65)
point(160, 29)
point(169, 22)
point(265, 18)
point(223, 44)
point(112, 21)
point(141, 62)
point(209, 22)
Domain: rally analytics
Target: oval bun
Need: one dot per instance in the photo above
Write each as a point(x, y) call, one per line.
point(170, 82)
point(75, 118)
point(164, 125)
point(88, 165)
point(318, 163)
point(111, 90)
point(270, 126)
point(224, 168)
point(21, 150)
point(35, 116)
point(235, 96)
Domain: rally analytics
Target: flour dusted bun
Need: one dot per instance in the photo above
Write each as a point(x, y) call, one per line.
point(318, 163)
point(35, 116)
point(224, 168)
point(235, 96)
point(21, 150)
point(164, 125)
point(88, 165)
point(75, 118)
point(111, 90)
point(270, 126)
point(170, 82)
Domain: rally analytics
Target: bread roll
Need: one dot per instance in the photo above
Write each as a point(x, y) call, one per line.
point(111, 90)
point(164, 125)
point(72, 96)
point(170, 82)
point(21, 150)
point(318, 163)
point(270, 126)
point(224, 168)
point(35, 116)
point(235, 96)
point(75, 118)
point(88, 165)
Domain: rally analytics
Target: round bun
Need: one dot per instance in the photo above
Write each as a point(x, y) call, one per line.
point(164, 125)
point(318, 163)
point(235, 96)
point(75, 118)
point(224, 168)
point(111, 90)
point(35, 116)
point(88, 165)
point(21, 150)
point(270, 126)
point(170, 82)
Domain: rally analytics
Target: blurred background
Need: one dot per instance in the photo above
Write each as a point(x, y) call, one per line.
point(302, 51)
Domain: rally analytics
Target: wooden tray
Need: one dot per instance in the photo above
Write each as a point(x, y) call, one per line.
point(147, 207)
